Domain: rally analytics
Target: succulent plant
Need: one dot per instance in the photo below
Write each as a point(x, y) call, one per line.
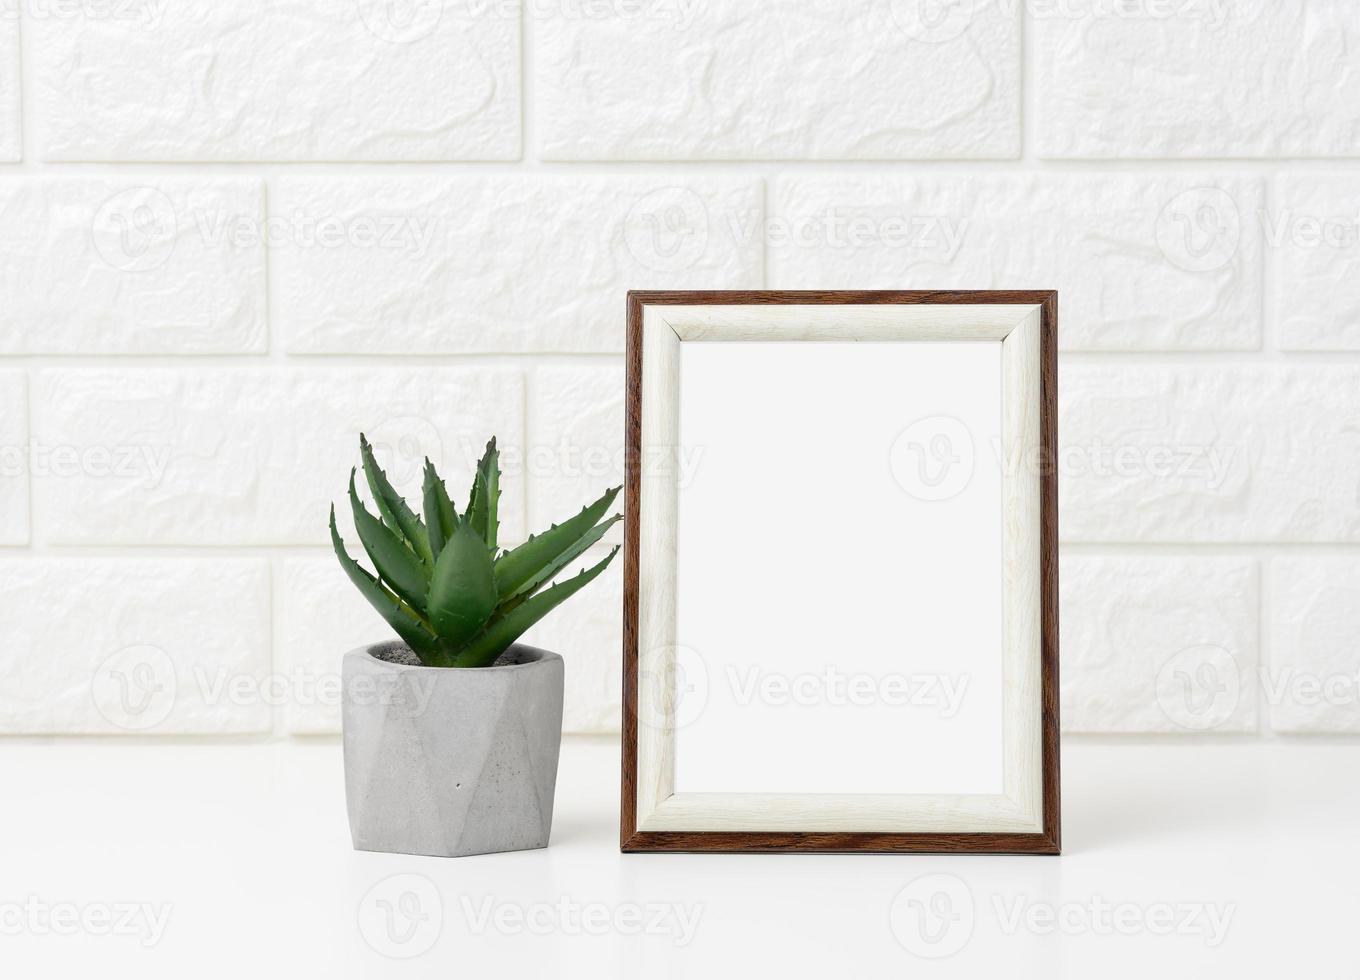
point(440, 582)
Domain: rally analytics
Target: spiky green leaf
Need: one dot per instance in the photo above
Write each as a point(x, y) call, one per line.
point(483, 649)
point(490, 468)
point(440, 517)
point(484, 497)
point(395, 563)
point(518, 566)
point(569, 555)
point(475, 514)
point(463, 589)
point(400, 617)
point(394, 510)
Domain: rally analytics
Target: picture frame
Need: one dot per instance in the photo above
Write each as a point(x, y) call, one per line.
point(1020, 811)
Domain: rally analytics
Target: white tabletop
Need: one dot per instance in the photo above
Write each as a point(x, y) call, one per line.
point(233, 859)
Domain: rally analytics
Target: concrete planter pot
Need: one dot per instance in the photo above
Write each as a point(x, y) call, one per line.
point(450, 761)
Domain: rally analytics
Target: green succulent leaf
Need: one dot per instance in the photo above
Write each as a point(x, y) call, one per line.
point(463, 589)
point(517, 567)
point(490, 467)
point(440, 517)
point(439, 582)
point(395, 563)
point(399, 616)
point(475, 514)
point(572, 552)
point(394, 510)
point(502, 631)
point(484, 498)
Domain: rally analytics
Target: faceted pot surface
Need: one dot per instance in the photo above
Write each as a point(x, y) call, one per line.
point(450, 761)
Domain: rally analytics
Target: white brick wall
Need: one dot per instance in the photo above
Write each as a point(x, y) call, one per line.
point(134, 645)
point(131, 266)
point(1106, 242)
point(1313, 242)
point(10, 126)
point(433, 278)
point(782, 79)
point(252, 455)
point(234, 234)
point(259, 80)
point(1197, 78)
point(14, 498)
point(1136, 631)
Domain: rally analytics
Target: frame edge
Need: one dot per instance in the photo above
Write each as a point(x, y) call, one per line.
point(1049, 840)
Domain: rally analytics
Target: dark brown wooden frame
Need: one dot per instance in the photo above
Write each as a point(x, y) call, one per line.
point(632, 840)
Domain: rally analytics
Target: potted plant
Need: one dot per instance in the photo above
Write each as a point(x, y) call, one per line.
point(452, 732)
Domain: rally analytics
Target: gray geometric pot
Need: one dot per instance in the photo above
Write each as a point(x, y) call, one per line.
point(450, 761)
